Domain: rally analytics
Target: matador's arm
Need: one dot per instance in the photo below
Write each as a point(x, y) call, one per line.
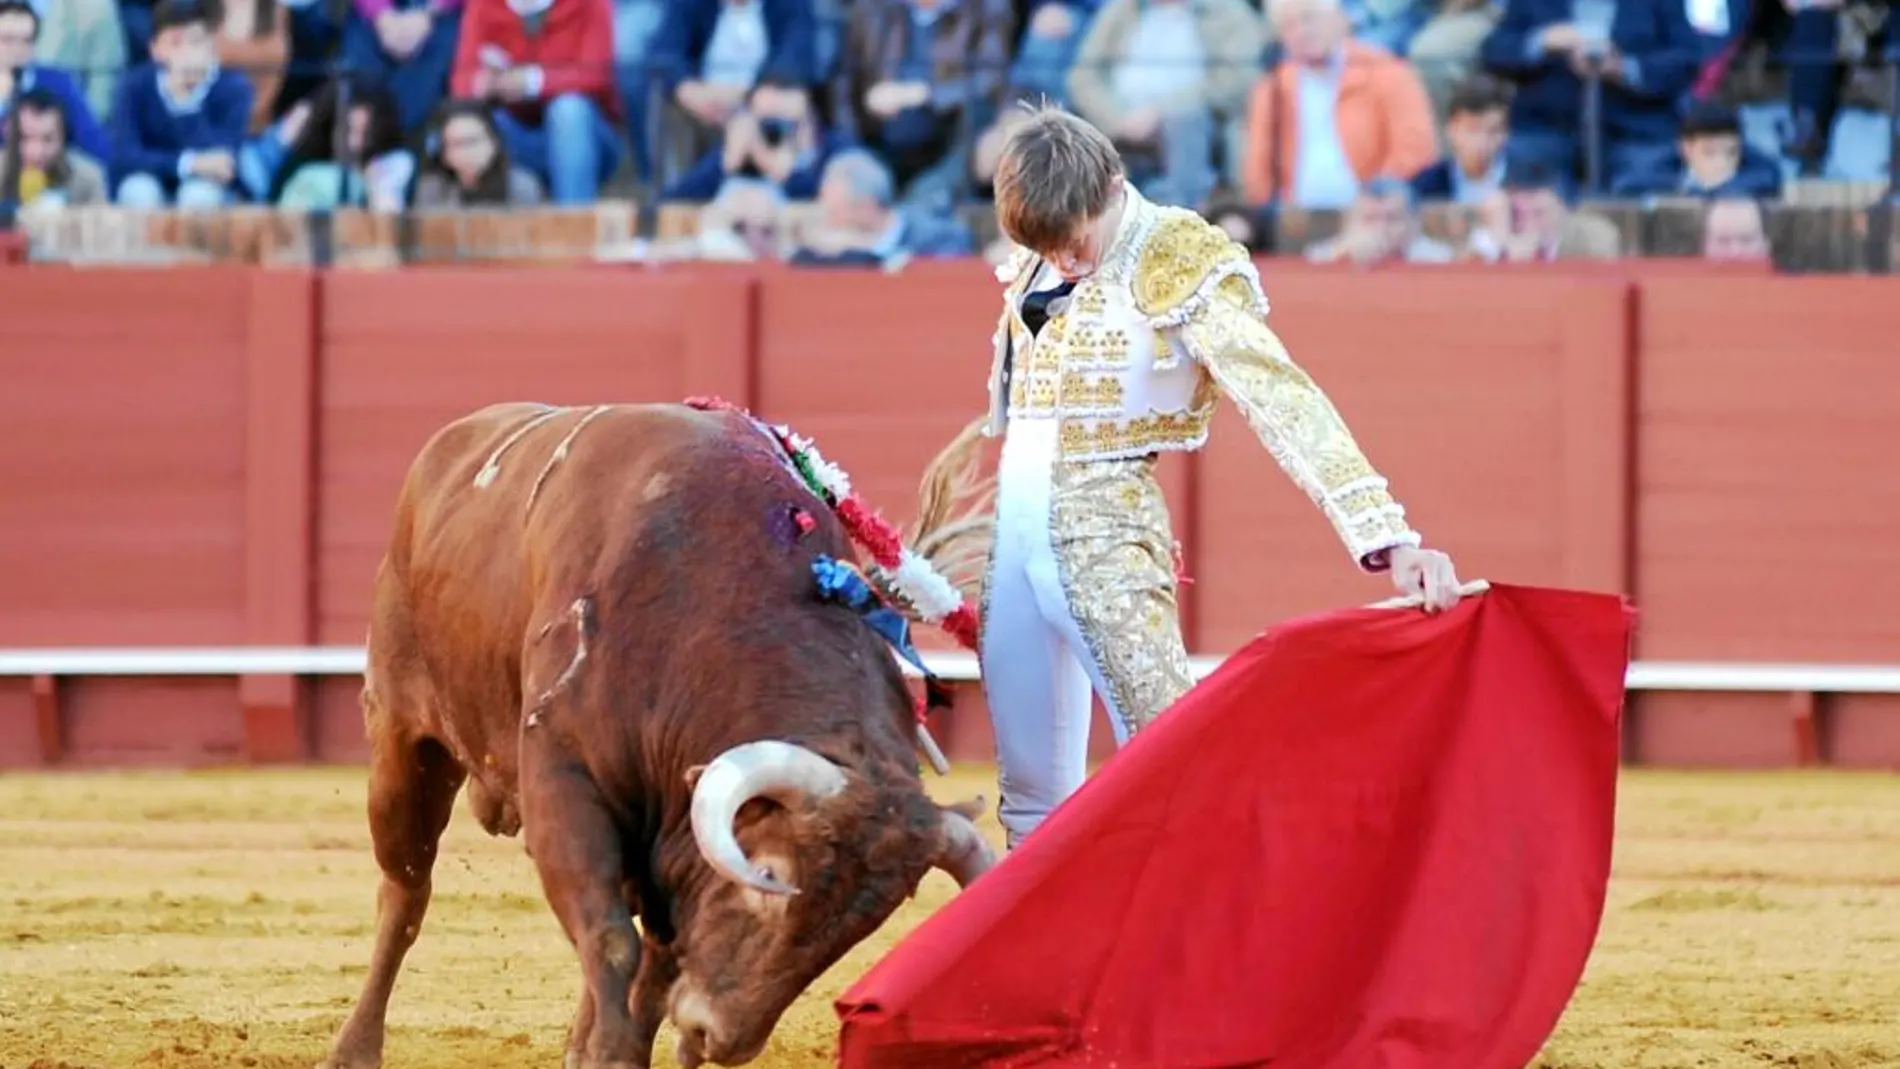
point(1198, 287)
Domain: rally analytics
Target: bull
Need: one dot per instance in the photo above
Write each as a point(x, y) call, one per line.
point(602, 622)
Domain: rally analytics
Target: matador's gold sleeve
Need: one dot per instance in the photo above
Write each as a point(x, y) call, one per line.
point(1197, 284)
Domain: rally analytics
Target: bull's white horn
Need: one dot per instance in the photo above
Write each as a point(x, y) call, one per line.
point(966, 853)
point(765, 769)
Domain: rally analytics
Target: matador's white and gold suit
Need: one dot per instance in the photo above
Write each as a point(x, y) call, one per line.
point(1080, 590)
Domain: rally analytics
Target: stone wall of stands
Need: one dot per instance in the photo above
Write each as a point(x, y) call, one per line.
point(209, 456)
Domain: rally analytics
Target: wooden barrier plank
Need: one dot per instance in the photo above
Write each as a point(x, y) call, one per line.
point(1766, 466)
point(1475, 393)
point(279, 496)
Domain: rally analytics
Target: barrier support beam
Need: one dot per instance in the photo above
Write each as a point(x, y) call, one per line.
point(279, 507)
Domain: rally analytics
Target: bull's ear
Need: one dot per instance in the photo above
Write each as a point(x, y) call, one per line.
point(969, 810)
point(693, 774)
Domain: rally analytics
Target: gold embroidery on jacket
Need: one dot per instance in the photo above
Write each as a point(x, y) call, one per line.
point(1294, 419)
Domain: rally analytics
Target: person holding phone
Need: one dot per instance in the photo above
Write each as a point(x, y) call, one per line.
point(774, 136)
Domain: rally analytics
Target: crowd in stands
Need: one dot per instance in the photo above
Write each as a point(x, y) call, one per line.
point(880, 119)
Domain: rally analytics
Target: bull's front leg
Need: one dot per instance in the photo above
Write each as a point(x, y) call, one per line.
point(577, 849)
point(583, 1024)
point(659, 971)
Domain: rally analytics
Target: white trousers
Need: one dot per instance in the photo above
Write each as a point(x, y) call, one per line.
point(1038, 673)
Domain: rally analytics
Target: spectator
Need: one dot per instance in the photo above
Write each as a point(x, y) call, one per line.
point(1159, 76)
point(409, 45)
point(1333, 114)
point(179, 121)
point(466, 164)
point(51, 173)
point(1713, 160)
point(374, 167)
point(1642, 51)
point(87, 38)
point(19, 39)
point(1733, 231)
point(1476, 130)
point(915, 72)
point(1382, 227)
point(254, 38)
point(745, 222)
point(1528, 222)
point(548, 67)
point(1047, 52)
point(861, 224)
point(710, 53)
point(775, 137)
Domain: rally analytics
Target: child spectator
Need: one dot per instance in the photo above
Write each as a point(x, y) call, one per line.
point(179, 121)
point(548, 68)
point(1477, 129)
point(466, 165)
point(1712, 160)
point(373, 168)
point(19, 40)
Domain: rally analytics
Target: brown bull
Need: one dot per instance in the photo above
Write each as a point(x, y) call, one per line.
point(604, 622)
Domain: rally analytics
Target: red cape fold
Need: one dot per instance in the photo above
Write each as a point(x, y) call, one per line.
point(1373, 839)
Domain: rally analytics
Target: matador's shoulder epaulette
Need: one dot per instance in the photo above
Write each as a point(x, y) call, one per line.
point(1182, 262)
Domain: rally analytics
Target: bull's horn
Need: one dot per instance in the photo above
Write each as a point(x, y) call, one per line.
point(766, 769)
point(965, 853)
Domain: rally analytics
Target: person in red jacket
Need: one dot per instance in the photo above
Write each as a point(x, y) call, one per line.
point(548, 67)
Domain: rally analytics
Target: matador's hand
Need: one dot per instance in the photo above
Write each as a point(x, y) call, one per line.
point(1427, 574)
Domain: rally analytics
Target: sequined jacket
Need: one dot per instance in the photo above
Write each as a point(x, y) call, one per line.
point(1136, 359)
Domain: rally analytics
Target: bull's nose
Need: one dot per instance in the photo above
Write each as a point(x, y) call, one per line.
point(697, 1049)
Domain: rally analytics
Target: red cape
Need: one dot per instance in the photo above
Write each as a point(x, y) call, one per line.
point(1373, 839)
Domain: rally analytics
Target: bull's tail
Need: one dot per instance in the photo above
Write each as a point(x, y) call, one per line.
point(956, 509)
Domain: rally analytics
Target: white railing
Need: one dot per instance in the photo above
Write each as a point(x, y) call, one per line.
point(954, 667)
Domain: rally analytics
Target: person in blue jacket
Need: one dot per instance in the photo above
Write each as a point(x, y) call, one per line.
point(1643, 54)
point(179, 122)
point(19, 75)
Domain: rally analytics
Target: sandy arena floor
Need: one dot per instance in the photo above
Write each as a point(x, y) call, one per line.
point(163, 921)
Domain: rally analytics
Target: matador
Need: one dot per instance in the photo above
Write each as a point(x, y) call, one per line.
point(1124, 322)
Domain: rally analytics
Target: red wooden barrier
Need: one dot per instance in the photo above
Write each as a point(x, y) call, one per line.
point(210, 456)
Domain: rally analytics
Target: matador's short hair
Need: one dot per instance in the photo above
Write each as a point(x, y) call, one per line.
point(1056, 172)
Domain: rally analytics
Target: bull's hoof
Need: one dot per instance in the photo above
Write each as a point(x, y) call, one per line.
point(351, 1060)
